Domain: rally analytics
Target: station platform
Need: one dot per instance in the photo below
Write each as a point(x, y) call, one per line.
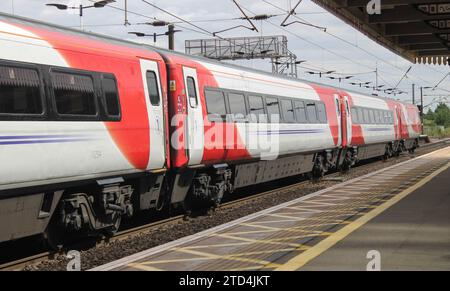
point(402, 212)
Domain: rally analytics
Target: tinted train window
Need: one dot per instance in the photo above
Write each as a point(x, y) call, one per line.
point(360, 115)
point(311, 111)
point(288, 110)
point(256, 109)
point(300, 111)
point(111, 96)
point(380, 116)
point(74, 94)
point(366, 116)
point(20, 91)
point(237, 105)
point(372, 116)
point(321, 112)
point(354, 115)
point(375, 113)
point(273, 109)
point(387, 117)
point(152, 85)
point(215, 103)
point(192, 92)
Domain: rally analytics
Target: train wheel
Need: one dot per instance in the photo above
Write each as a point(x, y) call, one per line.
point(54, 236)
point(115, 225)
point(346, 165)
point(318, 172)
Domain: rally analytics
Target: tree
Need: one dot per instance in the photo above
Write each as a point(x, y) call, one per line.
point(442, 115)
point(430, 114)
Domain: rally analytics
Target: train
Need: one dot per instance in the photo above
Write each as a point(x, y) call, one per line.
point(94, 130)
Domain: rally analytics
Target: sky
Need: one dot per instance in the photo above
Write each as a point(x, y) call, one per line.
point(343, 49)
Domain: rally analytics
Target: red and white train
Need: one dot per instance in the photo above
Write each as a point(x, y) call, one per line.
point(93, 129)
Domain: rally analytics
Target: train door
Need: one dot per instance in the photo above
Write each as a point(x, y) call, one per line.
point(398, 118)
point(154, 102)
point(339, 114)
point(194, 123)
point(404, 122)
point(349, 124)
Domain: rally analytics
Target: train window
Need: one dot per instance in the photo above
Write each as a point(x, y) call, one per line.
point(366, 116)
point(391, 117)
point(237, 105)
point(111, 96)
point(74, 94)
point(20, 91)
point(322, 113)
point(215, 104)
point(354, 115)
point(152, 85)
point(288, 111)
point(372, 116)
point(338, 107)
point(192, 92)
point(360, 116)
point(380, 117)
point(257, 113)
point(300, 111)
point(273, 109)
point(311, 112)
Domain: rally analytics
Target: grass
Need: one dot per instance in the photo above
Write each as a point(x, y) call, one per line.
point(436, 131)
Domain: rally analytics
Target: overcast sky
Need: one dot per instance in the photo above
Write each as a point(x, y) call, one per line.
point(321, 50)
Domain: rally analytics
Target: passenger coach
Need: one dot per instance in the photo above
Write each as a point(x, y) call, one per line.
point(95, 129)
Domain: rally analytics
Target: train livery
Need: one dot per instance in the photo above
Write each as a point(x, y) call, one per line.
point(94, 129)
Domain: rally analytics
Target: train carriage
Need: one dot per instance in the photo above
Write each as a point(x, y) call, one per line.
point(82, 124)
point(94, 129)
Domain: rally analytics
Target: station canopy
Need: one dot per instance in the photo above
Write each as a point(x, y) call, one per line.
point(418, 30)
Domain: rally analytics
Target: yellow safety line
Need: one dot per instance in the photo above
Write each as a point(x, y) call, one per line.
point(260, 226)
point(291, 229)
point(302, 259)
point(231, 257)
point(258, 241)
point(143, 267)
point(318, 203)
point(194, 247)
point(247, 269)
point(302, 208)
point(287, 216)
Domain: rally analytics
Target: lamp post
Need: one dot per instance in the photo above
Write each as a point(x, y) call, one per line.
point(170, 33)
point(98, 4)
point(421, 104)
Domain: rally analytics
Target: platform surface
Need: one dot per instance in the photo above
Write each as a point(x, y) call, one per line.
point(332, 229)
point(412, 235)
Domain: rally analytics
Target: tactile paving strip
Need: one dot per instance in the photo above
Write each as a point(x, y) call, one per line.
point(268, 240)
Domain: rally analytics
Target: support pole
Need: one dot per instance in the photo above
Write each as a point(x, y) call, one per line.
point(171, 35)
point(421, 107)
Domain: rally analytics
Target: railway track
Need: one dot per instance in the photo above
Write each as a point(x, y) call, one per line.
point(21, 264)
